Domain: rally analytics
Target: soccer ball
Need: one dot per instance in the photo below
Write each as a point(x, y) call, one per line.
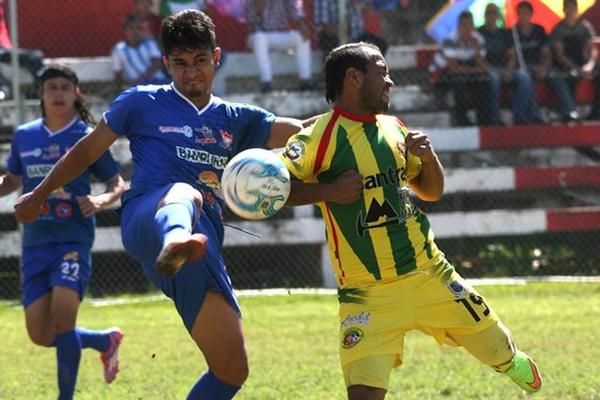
point(255, 184)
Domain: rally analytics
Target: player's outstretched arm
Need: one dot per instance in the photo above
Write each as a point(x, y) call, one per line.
point(346, 189)
point(9, 183)
point(85, 152)
point(281, 130)
point(429, 184)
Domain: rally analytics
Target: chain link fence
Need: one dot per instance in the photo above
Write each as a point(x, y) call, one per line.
point(520, 200)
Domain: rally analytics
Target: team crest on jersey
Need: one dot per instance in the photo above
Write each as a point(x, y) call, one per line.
point(210, 179)
point(226, 139)
point(294, 151)
point(351, 337)
point(51, 152)
point(207, 135)
point(71, 256)
point(64, 210)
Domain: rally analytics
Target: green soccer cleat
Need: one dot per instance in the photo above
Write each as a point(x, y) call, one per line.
point(525, 373)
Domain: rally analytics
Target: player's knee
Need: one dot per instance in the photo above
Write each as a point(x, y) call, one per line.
point(235, 372)
point(40, 337)
point(181, 191)
point(62, 322)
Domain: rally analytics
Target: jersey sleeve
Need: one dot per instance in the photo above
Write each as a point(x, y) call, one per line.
point(300, 154)
point(253, 127)
point(13, 164)
point(120, 114)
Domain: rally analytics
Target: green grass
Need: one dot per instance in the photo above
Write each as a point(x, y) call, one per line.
point(292, 344)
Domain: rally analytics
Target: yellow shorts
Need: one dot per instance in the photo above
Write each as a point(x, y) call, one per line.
point(374, 322)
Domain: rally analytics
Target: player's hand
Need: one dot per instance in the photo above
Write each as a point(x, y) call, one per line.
point(347, 188)
point(28, 207)
point(89, 205)
point(418, 144)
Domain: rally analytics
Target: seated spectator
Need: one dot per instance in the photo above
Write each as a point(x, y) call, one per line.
point(500, 55)
point(150, 22)
point(278, 24)
point(460, 66)
point(31, 60)
point(574, 59)
point(137, 60)
point(325, 15)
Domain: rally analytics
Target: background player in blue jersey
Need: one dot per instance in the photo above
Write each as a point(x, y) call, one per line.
point(56, 246)
point(181, 137)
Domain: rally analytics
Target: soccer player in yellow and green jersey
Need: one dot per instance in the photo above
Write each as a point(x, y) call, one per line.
point(359, 165)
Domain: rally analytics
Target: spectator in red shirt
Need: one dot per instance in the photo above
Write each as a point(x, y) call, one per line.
point(149, 21)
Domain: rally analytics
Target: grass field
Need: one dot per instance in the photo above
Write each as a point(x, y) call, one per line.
point(292, 344)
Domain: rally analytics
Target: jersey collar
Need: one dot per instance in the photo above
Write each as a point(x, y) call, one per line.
point(354, 117)
point(61, 130)
point(199, 112)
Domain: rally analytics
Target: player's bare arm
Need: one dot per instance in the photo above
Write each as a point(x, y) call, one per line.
point(9, 183)
point(90, 205)
point(71, 165)
point(346, 189)
point(282, 129)
point(429, 184)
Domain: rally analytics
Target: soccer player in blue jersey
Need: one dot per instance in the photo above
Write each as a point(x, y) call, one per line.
point(56, 245)
point(181, 137)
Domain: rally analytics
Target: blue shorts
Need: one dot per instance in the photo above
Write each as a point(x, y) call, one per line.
point(55, 264)
point(189, 285)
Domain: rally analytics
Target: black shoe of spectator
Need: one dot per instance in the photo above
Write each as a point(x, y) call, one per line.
point(266, 87)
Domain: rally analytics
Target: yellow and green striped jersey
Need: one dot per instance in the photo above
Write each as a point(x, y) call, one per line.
point(381, 236)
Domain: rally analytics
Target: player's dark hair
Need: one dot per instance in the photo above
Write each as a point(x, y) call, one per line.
point(526, 5)
point(62, 71)
point(130, 20)
point(187, 30)
point(351, 55)
point(465, 15)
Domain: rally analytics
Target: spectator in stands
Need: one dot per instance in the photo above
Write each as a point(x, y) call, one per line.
point(574, 59)
point(32, 60)
point(533, 43)
point(325, 14)
point(460, 66)
point(278, 24)
point(137, 60)
point(56, 258)
point(149, 21)
point(500, 55)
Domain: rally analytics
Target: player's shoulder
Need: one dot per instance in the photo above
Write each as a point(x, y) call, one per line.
point(232, 108)
point(32, 126)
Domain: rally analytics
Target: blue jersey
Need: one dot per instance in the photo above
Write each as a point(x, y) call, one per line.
point(34, 151)
point(171, 140)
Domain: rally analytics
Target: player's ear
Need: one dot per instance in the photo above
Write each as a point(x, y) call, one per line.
point(216, 57)
point(354, 77)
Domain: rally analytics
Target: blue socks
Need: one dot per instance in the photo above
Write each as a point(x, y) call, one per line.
point(173, 218)
point(68, 354)
point(209, 387)
point(97, 340)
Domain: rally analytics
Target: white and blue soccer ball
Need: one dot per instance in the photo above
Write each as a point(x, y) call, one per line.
point(255, 184)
